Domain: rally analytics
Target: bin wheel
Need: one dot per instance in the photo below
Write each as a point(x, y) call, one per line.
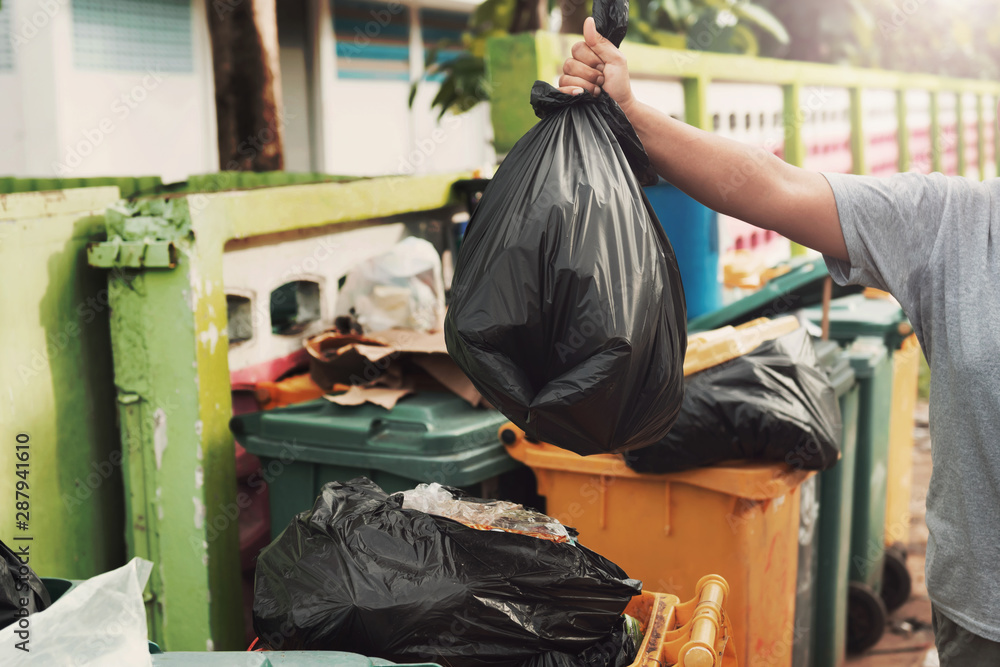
point(896, 580)
point(866, 617)
point(900, 549)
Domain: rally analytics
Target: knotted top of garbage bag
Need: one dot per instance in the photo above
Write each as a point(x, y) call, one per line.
point(611, 19)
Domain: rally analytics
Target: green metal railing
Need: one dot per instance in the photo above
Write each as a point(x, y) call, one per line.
point(515, 62)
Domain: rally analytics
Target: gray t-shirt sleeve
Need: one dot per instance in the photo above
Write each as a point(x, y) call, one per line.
point(891, 226)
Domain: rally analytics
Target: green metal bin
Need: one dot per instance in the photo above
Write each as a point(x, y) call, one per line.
point(426, 437)
point(800, 287)
point(876, 314)
point(828, 628)
point(866, 612)
point(863, 315)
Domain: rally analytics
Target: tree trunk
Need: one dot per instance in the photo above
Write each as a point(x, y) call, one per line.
point(574, 13)
point(529, 16)
point(247, 84)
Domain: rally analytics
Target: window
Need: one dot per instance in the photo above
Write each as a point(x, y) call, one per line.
point(239, 310)
point(373, 40)
point(133, 35)
point(443, 30)
point(294, 306)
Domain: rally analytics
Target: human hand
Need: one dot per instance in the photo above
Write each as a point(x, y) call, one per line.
point(596, 64)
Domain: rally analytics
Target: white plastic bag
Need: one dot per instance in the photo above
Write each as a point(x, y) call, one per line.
point(100, 622)
point(400, 288)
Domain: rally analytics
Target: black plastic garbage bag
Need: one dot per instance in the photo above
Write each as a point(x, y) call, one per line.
point(567, 310)
point(18, 582)
point(618, 649)
point(358, 573)
point(773, 404)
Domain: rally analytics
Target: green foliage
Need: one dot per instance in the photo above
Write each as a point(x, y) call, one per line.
point(727, 26)
point(464, 84)
point(947, 37)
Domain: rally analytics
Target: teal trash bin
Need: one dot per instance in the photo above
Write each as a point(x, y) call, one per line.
point(693, 230)
point(876, 314)
point(866, 612)
point(828, 627)
point(861, 315)
point(426, 437)
point(800, 287)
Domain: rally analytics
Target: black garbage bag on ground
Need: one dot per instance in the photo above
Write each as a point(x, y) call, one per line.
point(773, 404)
point(567, 310)
point(358, 573)
point(19, 582)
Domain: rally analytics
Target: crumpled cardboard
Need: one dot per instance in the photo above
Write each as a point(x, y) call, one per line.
point(383, 367)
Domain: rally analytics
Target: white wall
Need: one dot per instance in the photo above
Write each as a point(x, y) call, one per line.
point(78, 122)
point(11, 125)
point(368, 128)
point(257, 271)
point(293, 55)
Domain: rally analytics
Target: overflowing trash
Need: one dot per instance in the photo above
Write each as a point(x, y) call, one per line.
point(100, 622)
point(383, 367)
point(399, 288)
point(498, 515)
point(360, 572)
point(772, 404)
point(567, 309)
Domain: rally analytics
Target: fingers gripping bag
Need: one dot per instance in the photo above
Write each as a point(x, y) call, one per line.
point(567, 309)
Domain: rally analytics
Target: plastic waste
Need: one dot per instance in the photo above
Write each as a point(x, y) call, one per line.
point(360, 573)
point(618, 649)
point(567, 310)
point(18, 582)
point(402, 288)
point(98, 623)
point(772, 404)
point(498, 515)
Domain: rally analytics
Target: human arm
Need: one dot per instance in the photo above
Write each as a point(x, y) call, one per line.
point(733, 178)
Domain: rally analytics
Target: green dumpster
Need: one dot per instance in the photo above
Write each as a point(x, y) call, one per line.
point(828, 628)
point(426, 437)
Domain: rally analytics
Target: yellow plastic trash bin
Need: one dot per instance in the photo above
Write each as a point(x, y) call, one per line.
point(905, 369)
point(689, 634)
point(739, 521)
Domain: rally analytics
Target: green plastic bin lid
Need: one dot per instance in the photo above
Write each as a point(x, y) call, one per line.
point(802, 286)
point(424, 434)
point(858, 315)
point(268, 659)
point(866, 354)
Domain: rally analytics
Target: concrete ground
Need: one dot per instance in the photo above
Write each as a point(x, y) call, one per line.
point(908, 641)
